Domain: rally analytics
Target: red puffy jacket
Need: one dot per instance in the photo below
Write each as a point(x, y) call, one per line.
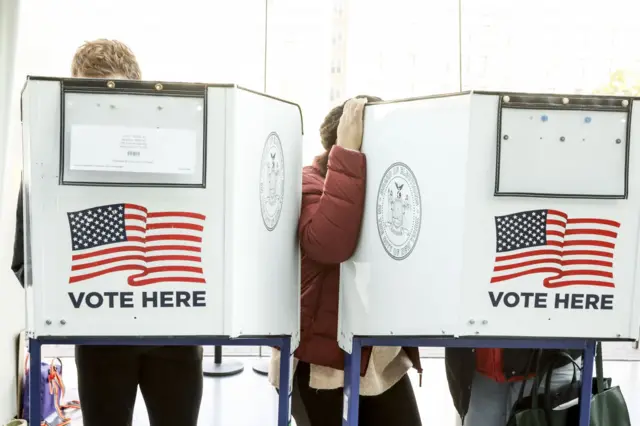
point(328, 230)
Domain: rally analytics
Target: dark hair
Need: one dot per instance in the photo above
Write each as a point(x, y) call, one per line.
point(329, 132)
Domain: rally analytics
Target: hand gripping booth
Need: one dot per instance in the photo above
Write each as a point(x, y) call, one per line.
point(503, 220)
point(160, 213)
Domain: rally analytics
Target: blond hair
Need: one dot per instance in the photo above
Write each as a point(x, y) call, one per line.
point(104, 58)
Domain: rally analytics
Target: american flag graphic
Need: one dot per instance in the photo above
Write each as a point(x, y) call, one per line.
point(159, 246)
point(572, 251)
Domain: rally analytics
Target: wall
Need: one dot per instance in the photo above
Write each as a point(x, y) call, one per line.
point(12, 308)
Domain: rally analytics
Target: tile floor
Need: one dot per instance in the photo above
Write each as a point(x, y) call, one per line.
point(247, 399)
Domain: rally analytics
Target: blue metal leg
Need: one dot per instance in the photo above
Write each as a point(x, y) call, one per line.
point(588, 357)
point(284, 396)
point(34, 382)
point(351, 403)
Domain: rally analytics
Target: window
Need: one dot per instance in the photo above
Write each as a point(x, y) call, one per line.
point(182, 54)
point(569, 55)
point(336, 68)
point(301, 71)
point(380, 62)
point(335, 94)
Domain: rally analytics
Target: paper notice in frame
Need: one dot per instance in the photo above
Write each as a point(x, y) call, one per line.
point(133, 150)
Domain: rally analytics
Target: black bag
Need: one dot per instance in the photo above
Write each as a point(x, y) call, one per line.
point(608, 407)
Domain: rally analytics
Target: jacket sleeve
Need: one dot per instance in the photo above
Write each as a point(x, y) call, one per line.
point(17, 263)
point(331, 212)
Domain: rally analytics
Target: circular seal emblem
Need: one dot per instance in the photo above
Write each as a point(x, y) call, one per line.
point(399, 211)
point(271, 181)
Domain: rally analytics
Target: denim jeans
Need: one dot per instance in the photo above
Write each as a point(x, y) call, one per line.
point(491, 401)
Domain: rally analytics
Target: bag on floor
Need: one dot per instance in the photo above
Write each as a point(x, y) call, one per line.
point(51, 392)
point(561, 407)
point(17, 422)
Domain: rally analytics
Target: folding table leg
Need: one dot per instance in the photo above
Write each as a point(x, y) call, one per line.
point(284, 396)
point(351, 403)
point(34, 414)
point(588, 357)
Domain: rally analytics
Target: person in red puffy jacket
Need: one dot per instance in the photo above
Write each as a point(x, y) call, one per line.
point(333, 191)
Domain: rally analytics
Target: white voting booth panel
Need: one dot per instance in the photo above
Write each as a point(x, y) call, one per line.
point(488, 215)
point(160, 209)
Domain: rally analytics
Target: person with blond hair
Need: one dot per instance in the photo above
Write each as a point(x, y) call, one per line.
point(170, 377)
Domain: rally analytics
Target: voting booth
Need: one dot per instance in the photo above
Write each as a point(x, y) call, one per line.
point(493, 214)
point(160, 209)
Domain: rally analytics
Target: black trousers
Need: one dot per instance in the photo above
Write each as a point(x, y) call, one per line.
point(312, 407)
point(170, 379)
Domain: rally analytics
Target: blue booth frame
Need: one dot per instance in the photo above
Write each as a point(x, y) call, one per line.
point(35, 355)
point(353, 359)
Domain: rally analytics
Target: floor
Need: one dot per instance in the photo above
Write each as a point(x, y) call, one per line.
point(247, 399)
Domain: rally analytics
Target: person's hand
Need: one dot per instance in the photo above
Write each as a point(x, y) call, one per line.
point(351, 124)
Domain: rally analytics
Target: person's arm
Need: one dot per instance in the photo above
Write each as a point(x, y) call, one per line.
point(17, 263)
point(331, 215)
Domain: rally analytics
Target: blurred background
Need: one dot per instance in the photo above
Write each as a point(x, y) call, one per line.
point(317, 53)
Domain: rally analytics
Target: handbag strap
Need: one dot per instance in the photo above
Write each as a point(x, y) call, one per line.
point(556, 364)
point(532, 364)
point(568, 357)
point(552, 366)
point(549, 373)
point(535, 386)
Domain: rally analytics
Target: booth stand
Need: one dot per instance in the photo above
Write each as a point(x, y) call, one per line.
point(221, 368)
point(160, 214)
point(261, 367)
point(495, 220)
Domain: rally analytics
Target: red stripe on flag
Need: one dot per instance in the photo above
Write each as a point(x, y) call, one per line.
point(523, 273)
point(151, 238)
point(141, 258)
point(78, 278)
point(134, 248)
point(176, 214)
point(587, 253)
point(528, 263)
point(556, 222)
point(557, 213)
point(604, 233)
point(607, 222)
point(527, 254)
point(175, 225)
point(134, 283)
point(594, 243)
point(581, 282)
